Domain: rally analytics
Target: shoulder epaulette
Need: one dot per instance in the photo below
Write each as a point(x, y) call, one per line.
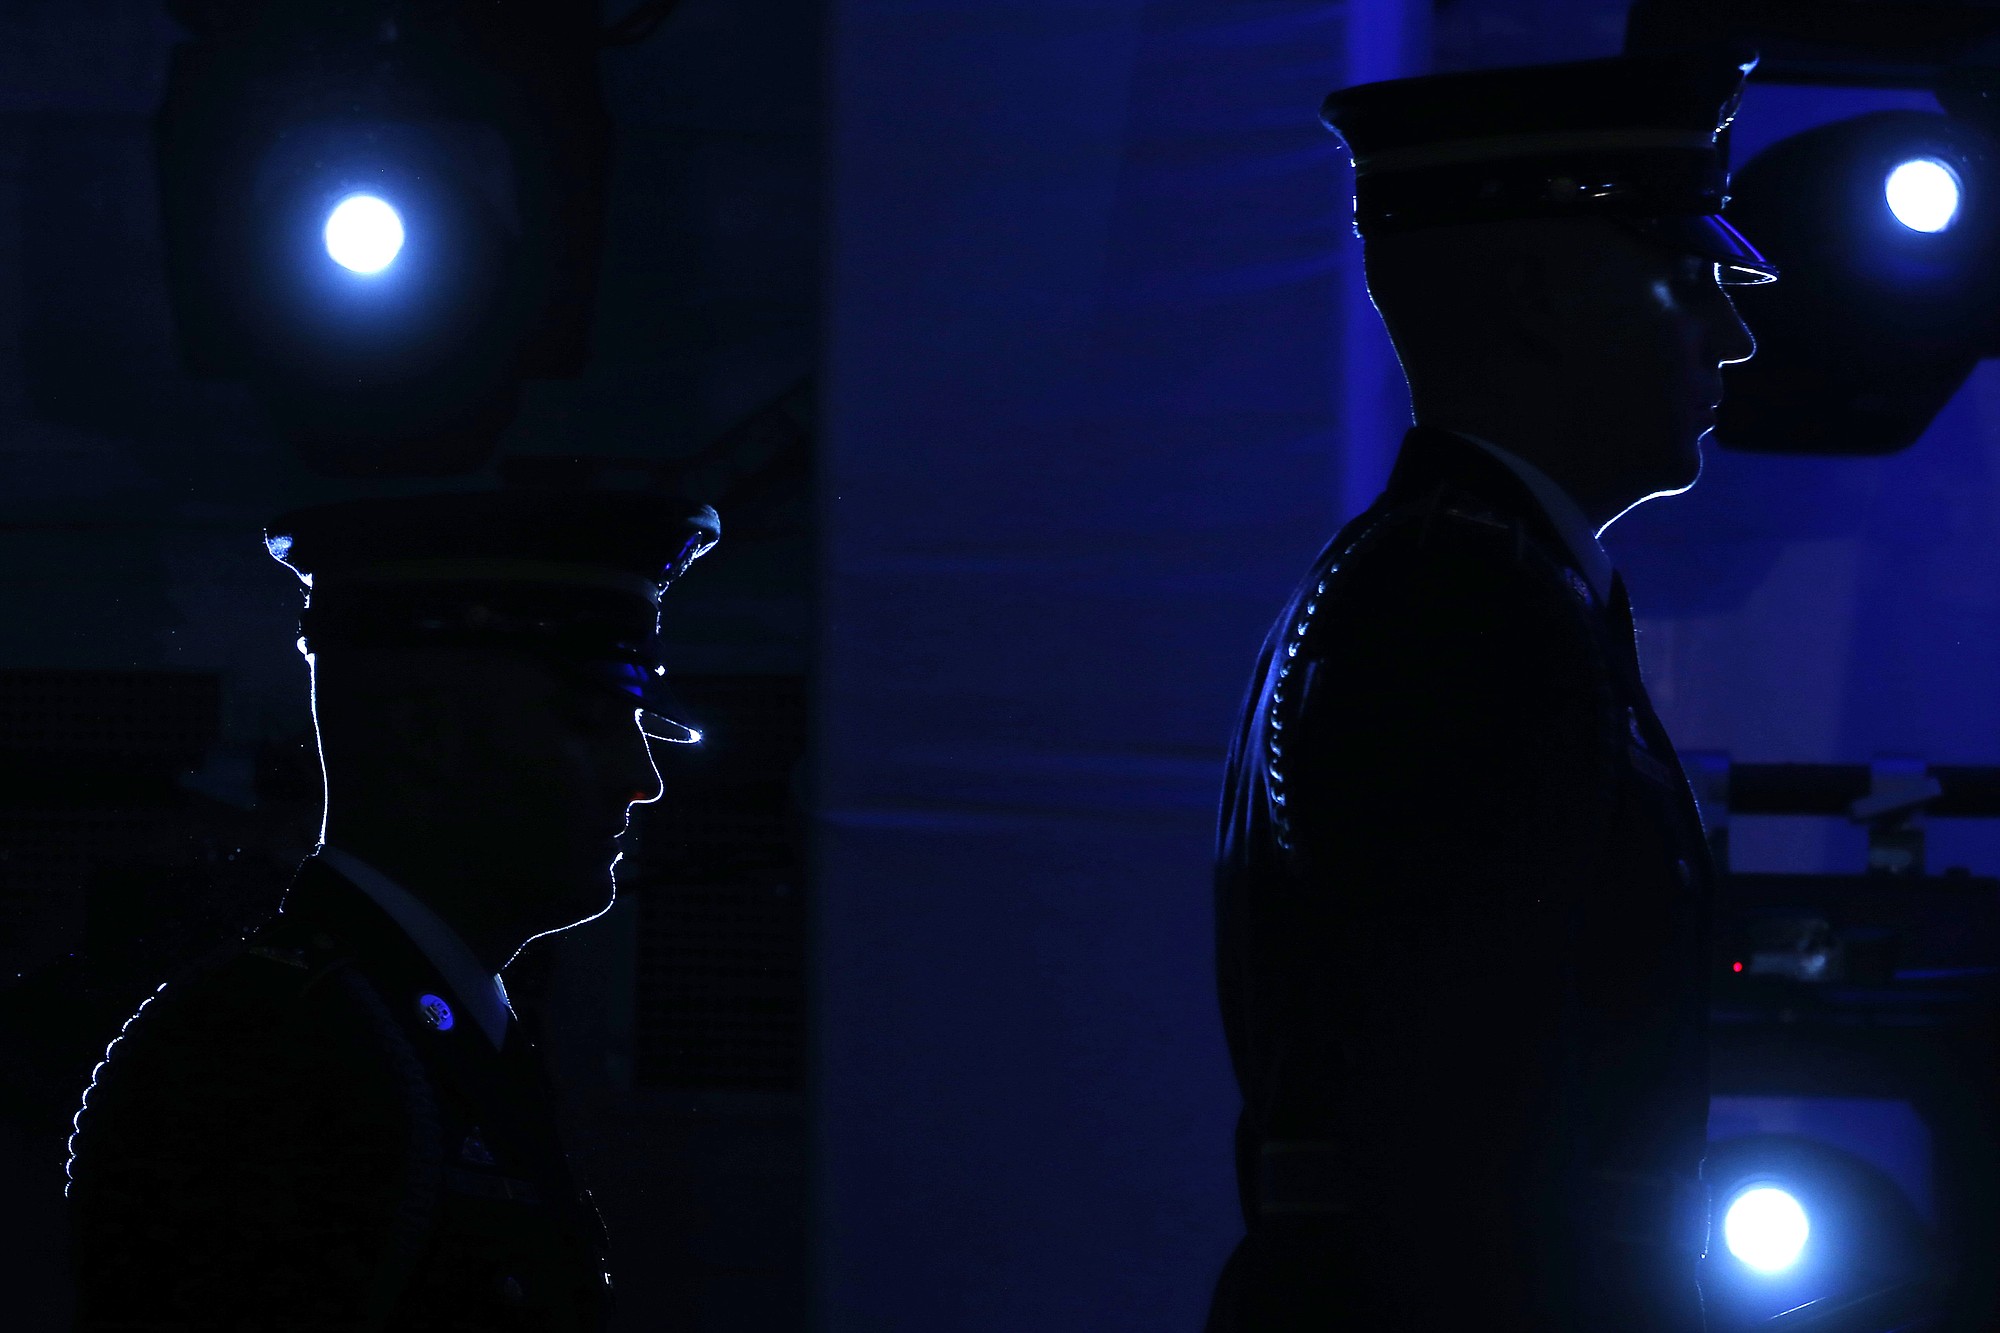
point(1446, 508)
point(1479, 514)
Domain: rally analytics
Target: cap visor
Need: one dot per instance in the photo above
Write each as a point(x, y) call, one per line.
point(1710, 237)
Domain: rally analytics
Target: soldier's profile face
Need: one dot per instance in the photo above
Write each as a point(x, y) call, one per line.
point(1578, 337)
point(500, 780)
point(1651, 330)
point(573, 762)
point(528, 771)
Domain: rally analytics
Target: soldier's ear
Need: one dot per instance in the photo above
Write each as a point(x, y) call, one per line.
point(1534, 316)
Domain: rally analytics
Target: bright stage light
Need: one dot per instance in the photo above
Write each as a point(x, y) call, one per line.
point(1766, 1229)
point(1923, 193)
point(363, 234)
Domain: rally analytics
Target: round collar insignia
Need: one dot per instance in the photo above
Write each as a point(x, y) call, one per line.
point(435, 1012)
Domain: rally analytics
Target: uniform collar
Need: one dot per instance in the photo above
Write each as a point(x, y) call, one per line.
point(1431, 457)
point(1570, 524)
point(481, 992)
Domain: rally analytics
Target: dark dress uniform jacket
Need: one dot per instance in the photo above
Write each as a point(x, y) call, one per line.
point(1462, 902)
point(282, 1141)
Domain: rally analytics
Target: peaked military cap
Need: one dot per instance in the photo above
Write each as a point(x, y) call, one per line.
point(1634, 138)
point(575, 575)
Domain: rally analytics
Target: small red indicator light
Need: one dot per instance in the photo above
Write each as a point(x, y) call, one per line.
point(1736, 967)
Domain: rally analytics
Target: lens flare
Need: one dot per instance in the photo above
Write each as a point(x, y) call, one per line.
point(364, 234)
point(1924, 194)
point(1766, 1229)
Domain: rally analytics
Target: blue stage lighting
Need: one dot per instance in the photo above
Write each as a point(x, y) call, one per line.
point(1766, 1229)
point(1923, 193)
point(1890, 250)
point(364, 234)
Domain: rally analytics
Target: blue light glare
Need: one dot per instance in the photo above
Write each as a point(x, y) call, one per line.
point(1766, 1229)
point(1924, 194)
point(364, 234)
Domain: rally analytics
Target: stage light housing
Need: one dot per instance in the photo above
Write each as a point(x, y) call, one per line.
point(1886, 230)
point(384, 337)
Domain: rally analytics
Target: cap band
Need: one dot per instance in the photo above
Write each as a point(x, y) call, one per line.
point(1528, 145)
point(571, 620)
point(1649, 181)
point(542, 572)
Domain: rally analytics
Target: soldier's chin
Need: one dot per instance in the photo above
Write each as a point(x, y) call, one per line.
point(594, 891)
point(573, 896)
point(578, 914)
point(1686, 468)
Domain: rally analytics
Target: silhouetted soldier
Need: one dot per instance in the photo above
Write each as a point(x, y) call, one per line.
point(1462, 890)
point(342, 1125)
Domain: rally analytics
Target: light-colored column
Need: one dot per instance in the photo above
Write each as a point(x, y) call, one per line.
point(1080, 434)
